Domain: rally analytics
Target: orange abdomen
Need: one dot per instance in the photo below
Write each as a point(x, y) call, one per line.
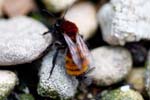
point(72, 68)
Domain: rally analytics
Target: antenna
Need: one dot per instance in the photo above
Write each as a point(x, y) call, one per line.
point(49, 13)
point(65, 12)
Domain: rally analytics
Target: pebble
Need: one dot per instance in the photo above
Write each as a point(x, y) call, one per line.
point(18, 7)
point(26, 97)
point(136, 78)
point(8, 80)
point(84, 16)
point(125, 21)
point(59, 84)
point(89, 96)
point(105, 15)
point(112, 64)
point(21, 40)
point(123, 93)
point(58, 5)
point(1, 6)
point(147, 75)
point(80, 96)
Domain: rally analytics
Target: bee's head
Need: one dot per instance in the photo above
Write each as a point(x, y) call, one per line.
point(58, 23)
point(63, 25)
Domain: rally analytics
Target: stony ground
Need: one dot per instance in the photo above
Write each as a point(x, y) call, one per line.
point(115, 31)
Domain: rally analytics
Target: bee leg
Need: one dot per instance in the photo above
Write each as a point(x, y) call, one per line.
point(81, 36)
point(46, 50)
point(46, 32)
point(85, 80)
point(59, 46)
point(90, 70)
point(54, 62)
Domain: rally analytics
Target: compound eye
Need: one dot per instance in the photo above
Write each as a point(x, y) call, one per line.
point(57, 24)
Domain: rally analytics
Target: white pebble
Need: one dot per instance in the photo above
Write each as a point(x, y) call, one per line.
point(60, 84)
point(8, 80)
point(112, 64)
point(21, 40)
point(125, 21)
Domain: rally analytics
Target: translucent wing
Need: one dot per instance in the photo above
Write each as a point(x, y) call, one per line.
point(84, 51)
point(74, 51)
point(79, 51)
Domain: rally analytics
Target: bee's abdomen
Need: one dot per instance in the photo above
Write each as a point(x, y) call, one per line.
point(72, 68)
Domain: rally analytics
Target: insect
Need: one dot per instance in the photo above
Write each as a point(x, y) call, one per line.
point(66, 36)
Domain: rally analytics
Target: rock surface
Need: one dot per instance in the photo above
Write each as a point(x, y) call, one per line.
point(18, 7)
point(1, 6)
point(112, 64)
point(123, 93)
point(21, 40)
point(59, 84)
point(26, 97)
point(136, 79)
point(125, 21)
point(147, 75)
point(8, 80)
point(84, 16)
point(58, 5)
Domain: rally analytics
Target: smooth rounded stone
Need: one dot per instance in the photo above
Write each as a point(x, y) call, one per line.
point(1, 6)
point(8, 80)
point(136, 78)
point(58, 5)
point(18, 7)
point(124, 21)
point(59, 84)
point(112, 64)
point(123, 93)
point(147, 75)
point(21, 40)
point(26, 97)
point(105, 15)
point(84, 16)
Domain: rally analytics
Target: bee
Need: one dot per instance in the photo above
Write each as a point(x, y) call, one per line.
point(78, 60)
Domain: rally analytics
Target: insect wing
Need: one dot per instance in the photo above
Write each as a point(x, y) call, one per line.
point(84, 51)
point(74, 51)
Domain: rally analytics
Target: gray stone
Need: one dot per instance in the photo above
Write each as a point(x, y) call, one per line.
point(125, 21)
point(147, 75)
point(8, 80)
point(123, 93)
point(21, 40)
point(13, 8)
point(59, 84)
point(105, 17)
point(26, 97)
point(136, 79)
point(112, 64)
point(1, 7)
